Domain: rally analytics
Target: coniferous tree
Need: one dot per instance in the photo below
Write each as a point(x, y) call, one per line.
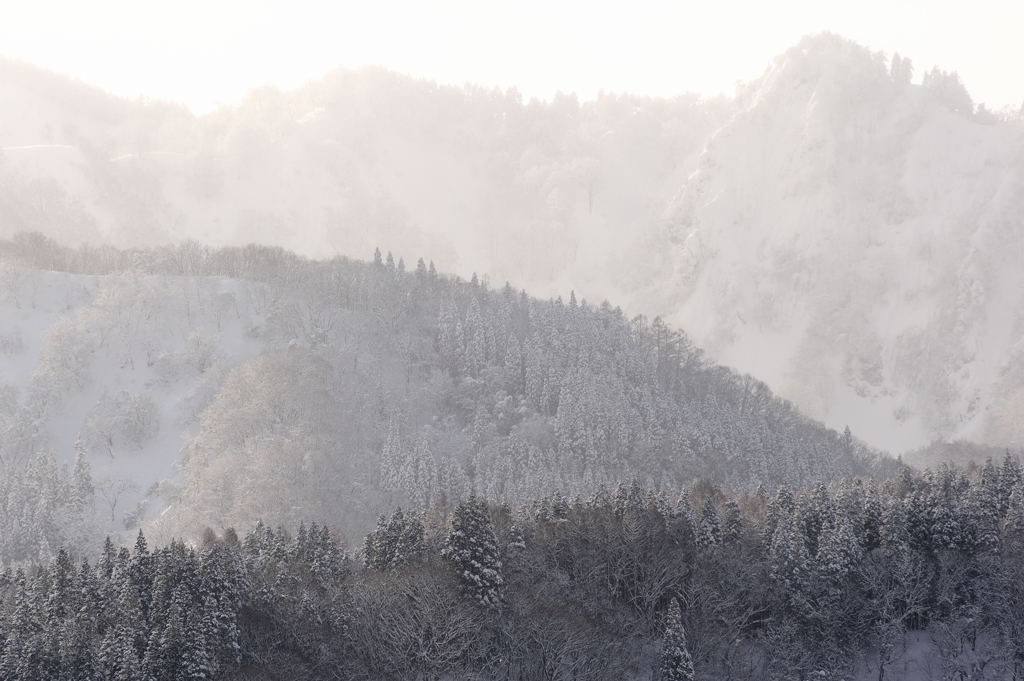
point(140, 576)
point(839, 552)
point(23, 651)
point(1010, 477)
point(732, 522)
point(948, 526)
point(516, 541)
point(983, 516)
point(422, 475)
point(375, 553)
point(709, 534)
point(81, 479)
point(165, 652)
point(471, 549)
point(406, 532)
point(893, 533)
point(220, 596)
point(79, 642)
point(871, 521)
point(393, 459)
point(816, 512)
point(474, 359)
point(918, 522)
point(1013, 525)
point(781, 507)
point(789, 561)
point(683, 514)
point(124, 644)
point(676, 663)
point(397, 541)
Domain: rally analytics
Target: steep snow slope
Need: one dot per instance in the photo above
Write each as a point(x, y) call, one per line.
point(856, 243)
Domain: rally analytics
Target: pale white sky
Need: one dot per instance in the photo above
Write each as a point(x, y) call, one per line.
point(205, 51)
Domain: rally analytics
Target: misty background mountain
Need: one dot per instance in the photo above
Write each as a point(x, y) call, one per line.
point(846, 235)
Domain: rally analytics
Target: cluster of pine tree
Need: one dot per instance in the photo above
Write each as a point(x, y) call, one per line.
point(168, 614)
point(822, 582)
point(46, 506)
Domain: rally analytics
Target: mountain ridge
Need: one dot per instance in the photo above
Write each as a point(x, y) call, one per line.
point(853, 192)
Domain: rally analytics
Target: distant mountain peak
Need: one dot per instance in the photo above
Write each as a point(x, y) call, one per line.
point(855, 240)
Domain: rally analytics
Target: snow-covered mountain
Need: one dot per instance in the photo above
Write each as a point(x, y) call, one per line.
point(858, 242)
point(544, 194)
point(847, 235)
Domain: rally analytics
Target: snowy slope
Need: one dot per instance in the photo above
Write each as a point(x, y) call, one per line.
point(858, 245)
point(117, 367)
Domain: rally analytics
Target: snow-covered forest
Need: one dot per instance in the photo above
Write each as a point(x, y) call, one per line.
point(918, 578)
point(381, 379)
point(193, 387)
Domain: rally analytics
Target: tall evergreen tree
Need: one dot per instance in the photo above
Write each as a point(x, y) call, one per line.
point(839, 552)
point(676, 664)
point(789, 562)
point(1013, 525)
point(871, 521)
point(781, 507)
point(23, 655)
point(471, 549)
point(709, 533)
point(375, 550)
point(1010, 478)
point(983, 517)
point(732, 522)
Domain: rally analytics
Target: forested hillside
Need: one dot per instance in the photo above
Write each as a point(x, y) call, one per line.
point(332, 390)
point(920, 577)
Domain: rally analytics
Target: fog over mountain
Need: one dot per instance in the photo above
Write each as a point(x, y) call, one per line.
point(849, 237)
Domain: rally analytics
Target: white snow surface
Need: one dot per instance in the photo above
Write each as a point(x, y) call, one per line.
point(851, 239)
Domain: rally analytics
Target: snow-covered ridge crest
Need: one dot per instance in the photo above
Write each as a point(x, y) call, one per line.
point(856, 241)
